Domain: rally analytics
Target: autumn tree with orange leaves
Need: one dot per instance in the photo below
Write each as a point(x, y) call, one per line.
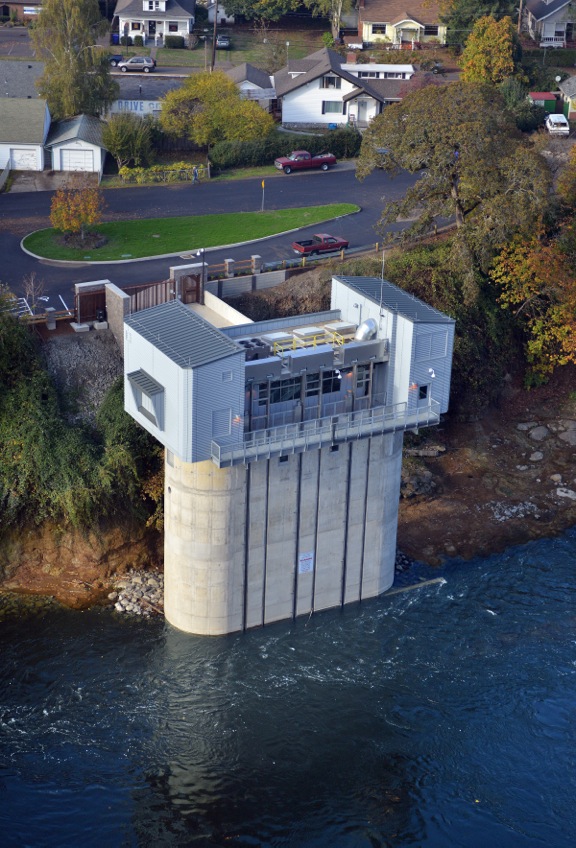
point(488, 56)
point(537, 281)
point(75, 210)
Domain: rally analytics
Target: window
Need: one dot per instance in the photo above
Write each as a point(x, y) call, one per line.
point(135, 25)
point(312, 385)
point(363, 380)
point(148, 396)
point(332, 106)
point(430, 29)
point(379, 29)
point(369, 75)
point(172, 26)
point(282, 391)
point(331, 382)
point(330, 82)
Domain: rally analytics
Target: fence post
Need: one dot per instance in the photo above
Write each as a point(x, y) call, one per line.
point(256, 263)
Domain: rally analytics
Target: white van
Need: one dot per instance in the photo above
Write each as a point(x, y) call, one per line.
point(557, 125)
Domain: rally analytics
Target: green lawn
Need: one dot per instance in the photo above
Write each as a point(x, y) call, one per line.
point(155, 236)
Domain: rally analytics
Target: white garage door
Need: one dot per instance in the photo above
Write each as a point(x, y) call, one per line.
point(77, 160)
point(23, 160)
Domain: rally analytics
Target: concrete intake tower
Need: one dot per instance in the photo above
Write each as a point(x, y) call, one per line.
point(283, 446)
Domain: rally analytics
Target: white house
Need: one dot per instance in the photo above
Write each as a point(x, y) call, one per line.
point(76, 145)
point(216, 8)
point(24, 125)
point(253, 83)
point(325, 89)
point(153, 20)
point(400, 22)
point(550, 19)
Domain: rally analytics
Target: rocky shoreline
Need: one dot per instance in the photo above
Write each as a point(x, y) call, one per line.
point(141, 593)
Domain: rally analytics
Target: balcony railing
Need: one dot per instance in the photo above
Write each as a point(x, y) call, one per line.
point(318, 433)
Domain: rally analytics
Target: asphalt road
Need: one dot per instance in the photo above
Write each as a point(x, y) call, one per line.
point(22, 213)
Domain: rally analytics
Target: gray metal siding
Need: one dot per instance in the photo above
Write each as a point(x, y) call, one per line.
point(211, 395)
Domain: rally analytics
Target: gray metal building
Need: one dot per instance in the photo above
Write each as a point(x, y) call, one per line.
point(283, 447)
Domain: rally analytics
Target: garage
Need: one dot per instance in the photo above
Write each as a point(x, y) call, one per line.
point(77, 160)
point(23, 159)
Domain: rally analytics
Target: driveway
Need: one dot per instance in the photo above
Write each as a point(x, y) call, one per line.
point(46, 180)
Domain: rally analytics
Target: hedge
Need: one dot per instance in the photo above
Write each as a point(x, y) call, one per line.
point(343, 143)
point(173, 173)
point(175, 42)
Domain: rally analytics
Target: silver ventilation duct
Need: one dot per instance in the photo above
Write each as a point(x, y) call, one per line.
point(367, 330)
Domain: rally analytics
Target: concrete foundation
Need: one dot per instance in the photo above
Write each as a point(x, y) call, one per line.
point(247, 546)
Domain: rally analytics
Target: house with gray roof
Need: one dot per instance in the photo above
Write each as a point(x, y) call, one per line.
point(18, 79)
point(567, 90)
point(550, 21)
point(327, 89)
point(253, 83)
point(76, 145)
point(24, 125)
point(153, 20)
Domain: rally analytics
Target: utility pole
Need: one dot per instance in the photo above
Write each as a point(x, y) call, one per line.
point(213, 61)
point(520, 16)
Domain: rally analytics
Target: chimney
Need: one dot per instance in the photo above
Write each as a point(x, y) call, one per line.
point(350, 58)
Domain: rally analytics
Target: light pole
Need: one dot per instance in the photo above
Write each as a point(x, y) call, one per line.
point(287, 46)
point(432, 377)
point(200, 253)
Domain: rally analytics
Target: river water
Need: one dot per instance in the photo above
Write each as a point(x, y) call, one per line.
point(441, 716)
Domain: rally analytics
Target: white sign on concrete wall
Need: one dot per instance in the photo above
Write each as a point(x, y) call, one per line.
point(306, 562)
point(138, 107)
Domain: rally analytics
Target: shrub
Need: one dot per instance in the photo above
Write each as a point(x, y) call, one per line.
point(138, 41)
point(126, 41)
point(343, 143)
point(175, 42)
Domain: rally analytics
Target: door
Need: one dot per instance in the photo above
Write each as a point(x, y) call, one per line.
point(77, 160)
point(362, 111)
point(22, 159)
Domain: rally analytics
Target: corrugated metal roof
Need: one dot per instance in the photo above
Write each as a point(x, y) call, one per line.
point(184, 337)
point(22, 121)
point(396, 299)
point(145, 382)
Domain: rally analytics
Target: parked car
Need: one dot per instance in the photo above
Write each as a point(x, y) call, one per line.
point(223, 42)
point(116, 58)
point(319, 243)
point(138, 63)
point(300, 160)
point(557, 125)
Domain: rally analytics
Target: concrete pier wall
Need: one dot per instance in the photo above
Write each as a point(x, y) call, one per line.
point(281, 538)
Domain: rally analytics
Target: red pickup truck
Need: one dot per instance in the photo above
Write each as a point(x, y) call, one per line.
point(319, 243)
point(301, 159)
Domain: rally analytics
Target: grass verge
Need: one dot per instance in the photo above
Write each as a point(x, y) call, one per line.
point(156, 236)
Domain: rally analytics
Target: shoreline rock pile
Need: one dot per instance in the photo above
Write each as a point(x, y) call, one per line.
point(142, 592)
point(139, 593)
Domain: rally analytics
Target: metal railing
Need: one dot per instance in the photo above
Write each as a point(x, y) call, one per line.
point(318, 433)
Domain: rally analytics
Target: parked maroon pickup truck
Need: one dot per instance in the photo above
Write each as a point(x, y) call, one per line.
point(319, 243)
point(301, 159)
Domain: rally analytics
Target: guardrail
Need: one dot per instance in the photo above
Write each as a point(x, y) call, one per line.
point(313, 435)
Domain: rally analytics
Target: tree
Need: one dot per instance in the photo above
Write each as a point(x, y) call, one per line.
point(73, 210)
point(76, 77)
point(538, 284)
point(128, 138)
point(460, 15)
point(476, 167)
point(208, 108)
point(489, 52)
point(261, 10)
point(331, 9)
